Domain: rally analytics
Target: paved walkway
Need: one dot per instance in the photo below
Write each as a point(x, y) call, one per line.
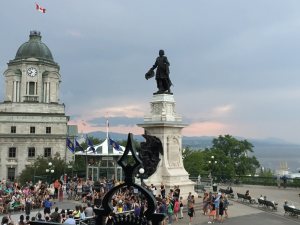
point(239, 213)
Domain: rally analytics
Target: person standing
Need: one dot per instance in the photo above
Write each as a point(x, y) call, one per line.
point(28, 205)
point(209, 176)
point(191, 213)
point(170, 205)
point(189, 198)
point(48, 207)
point(153, 190)
point(212, 212)
point(199, 179)
point(4, 182)
point(8, 183)
point(217, 202)
point(221, 209)
point(163, 190)
point(56, 187)
point(181, 208)
point(226, 203)
point(176, 209)
point(284, 181)
point(278, 180)
point(177, 192)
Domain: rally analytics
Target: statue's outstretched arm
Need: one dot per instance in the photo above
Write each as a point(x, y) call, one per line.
point(154, 66)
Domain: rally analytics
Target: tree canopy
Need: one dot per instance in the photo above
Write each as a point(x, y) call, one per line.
point(230, 154)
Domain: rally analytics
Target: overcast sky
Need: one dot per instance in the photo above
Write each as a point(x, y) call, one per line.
point(234, 64)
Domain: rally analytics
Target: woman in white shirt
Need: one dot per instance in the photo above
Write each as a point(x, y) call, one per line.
point(153, 190)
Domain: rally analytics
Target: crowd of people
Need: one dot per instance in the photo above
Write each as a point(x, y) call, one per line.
point(64, 216)
point(41, 195)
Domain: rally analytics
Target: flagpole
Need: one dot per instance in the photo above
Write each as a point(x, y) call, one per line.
point(107, 127)
point(86, 161)
point(74, 144)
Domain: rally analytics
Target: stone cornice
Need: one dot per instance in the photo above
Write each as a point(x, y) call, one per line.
point(63, 136)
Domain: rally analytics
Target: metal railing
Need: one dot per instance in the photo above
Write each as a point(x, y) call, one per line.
point(229, 180)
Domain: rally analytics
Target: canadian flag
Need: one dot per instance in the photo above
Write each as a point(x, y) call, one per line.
point(40, 8)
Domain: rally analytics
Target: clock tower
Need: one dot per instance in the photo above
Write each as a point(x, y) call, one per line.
point(32, 76)
point(32, 122)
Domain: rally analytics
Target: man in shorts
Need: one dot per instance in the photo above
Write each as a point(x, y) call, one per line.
point(48, 207)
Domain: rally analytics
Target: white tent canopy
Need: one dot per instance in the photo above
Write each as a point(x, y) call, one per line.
point(103, 149)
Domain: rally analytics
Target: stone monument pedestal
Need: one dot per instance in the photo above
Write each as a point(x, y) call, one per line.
point(164, 123)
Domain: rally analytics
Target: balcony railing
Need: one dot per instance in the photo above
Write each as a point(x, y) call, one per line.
point(31, 98)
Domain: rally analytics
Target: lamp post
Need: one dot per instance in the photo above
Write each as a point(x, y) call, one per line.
point(212, 167)
point(49, 170)
point(142, 176)
point(35, 173)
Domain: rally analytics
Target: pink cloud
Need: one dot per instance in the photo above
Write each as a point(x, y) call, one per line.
point(119, 129)
point(195, 129)
point(205, 129)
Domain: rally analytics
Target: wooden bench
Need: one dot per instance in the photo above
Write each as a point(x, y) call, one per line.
point(260, 202)
point(271, 205)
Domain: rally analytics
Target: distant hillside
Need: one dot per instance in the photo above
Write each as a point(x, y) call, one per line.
point(203, 141)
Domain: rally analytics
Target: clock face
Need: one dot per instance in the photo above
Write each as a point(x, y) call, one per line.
point(32, 72)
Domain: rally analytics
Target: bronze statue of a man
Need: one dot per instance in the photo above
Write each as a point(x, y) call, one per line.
point(162, 73)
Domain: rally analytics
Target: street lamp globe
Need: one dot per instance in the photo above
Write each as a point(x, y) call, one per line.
point(215, 161)
point(209, 161)
point(47, 170)
point(50, 163)
point(141, 171)
point(212, 157)
point(52, 171)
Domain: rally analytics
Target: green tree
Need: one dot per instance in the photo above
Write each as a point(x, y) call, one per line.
point(224, 165)
point(186, 152)
point(238, 151)
point(198, 161)
point(194, 161)
point(39, 167)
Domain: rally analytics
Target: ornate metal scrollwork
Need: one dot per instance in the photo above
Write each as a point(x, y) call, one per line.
point(149, 153)
point(107, 208)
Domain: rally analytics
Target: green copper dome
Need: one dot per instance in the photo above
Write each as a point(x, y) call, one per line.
point(34, 48)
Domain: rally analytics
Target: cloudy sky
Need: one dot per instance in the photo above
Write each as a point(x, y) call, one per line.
point(234, 64)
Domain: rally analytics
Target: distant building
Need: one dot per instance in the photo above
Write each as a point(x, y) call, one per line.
point(32, 122)
point(81, 138)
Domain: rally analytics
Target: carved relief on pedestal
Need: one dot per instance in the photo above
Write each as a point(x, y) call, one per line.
point(174, 150)
point(173, 109)
point(163, 109)
point(152, 109)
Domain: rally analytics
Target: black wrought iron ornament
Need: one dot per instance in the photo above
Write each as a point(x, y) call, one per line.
point(107, 207)
point(149, 153)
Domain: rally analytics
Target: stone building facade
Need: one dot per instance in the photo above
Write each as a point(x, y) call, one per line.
point(32, 122)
